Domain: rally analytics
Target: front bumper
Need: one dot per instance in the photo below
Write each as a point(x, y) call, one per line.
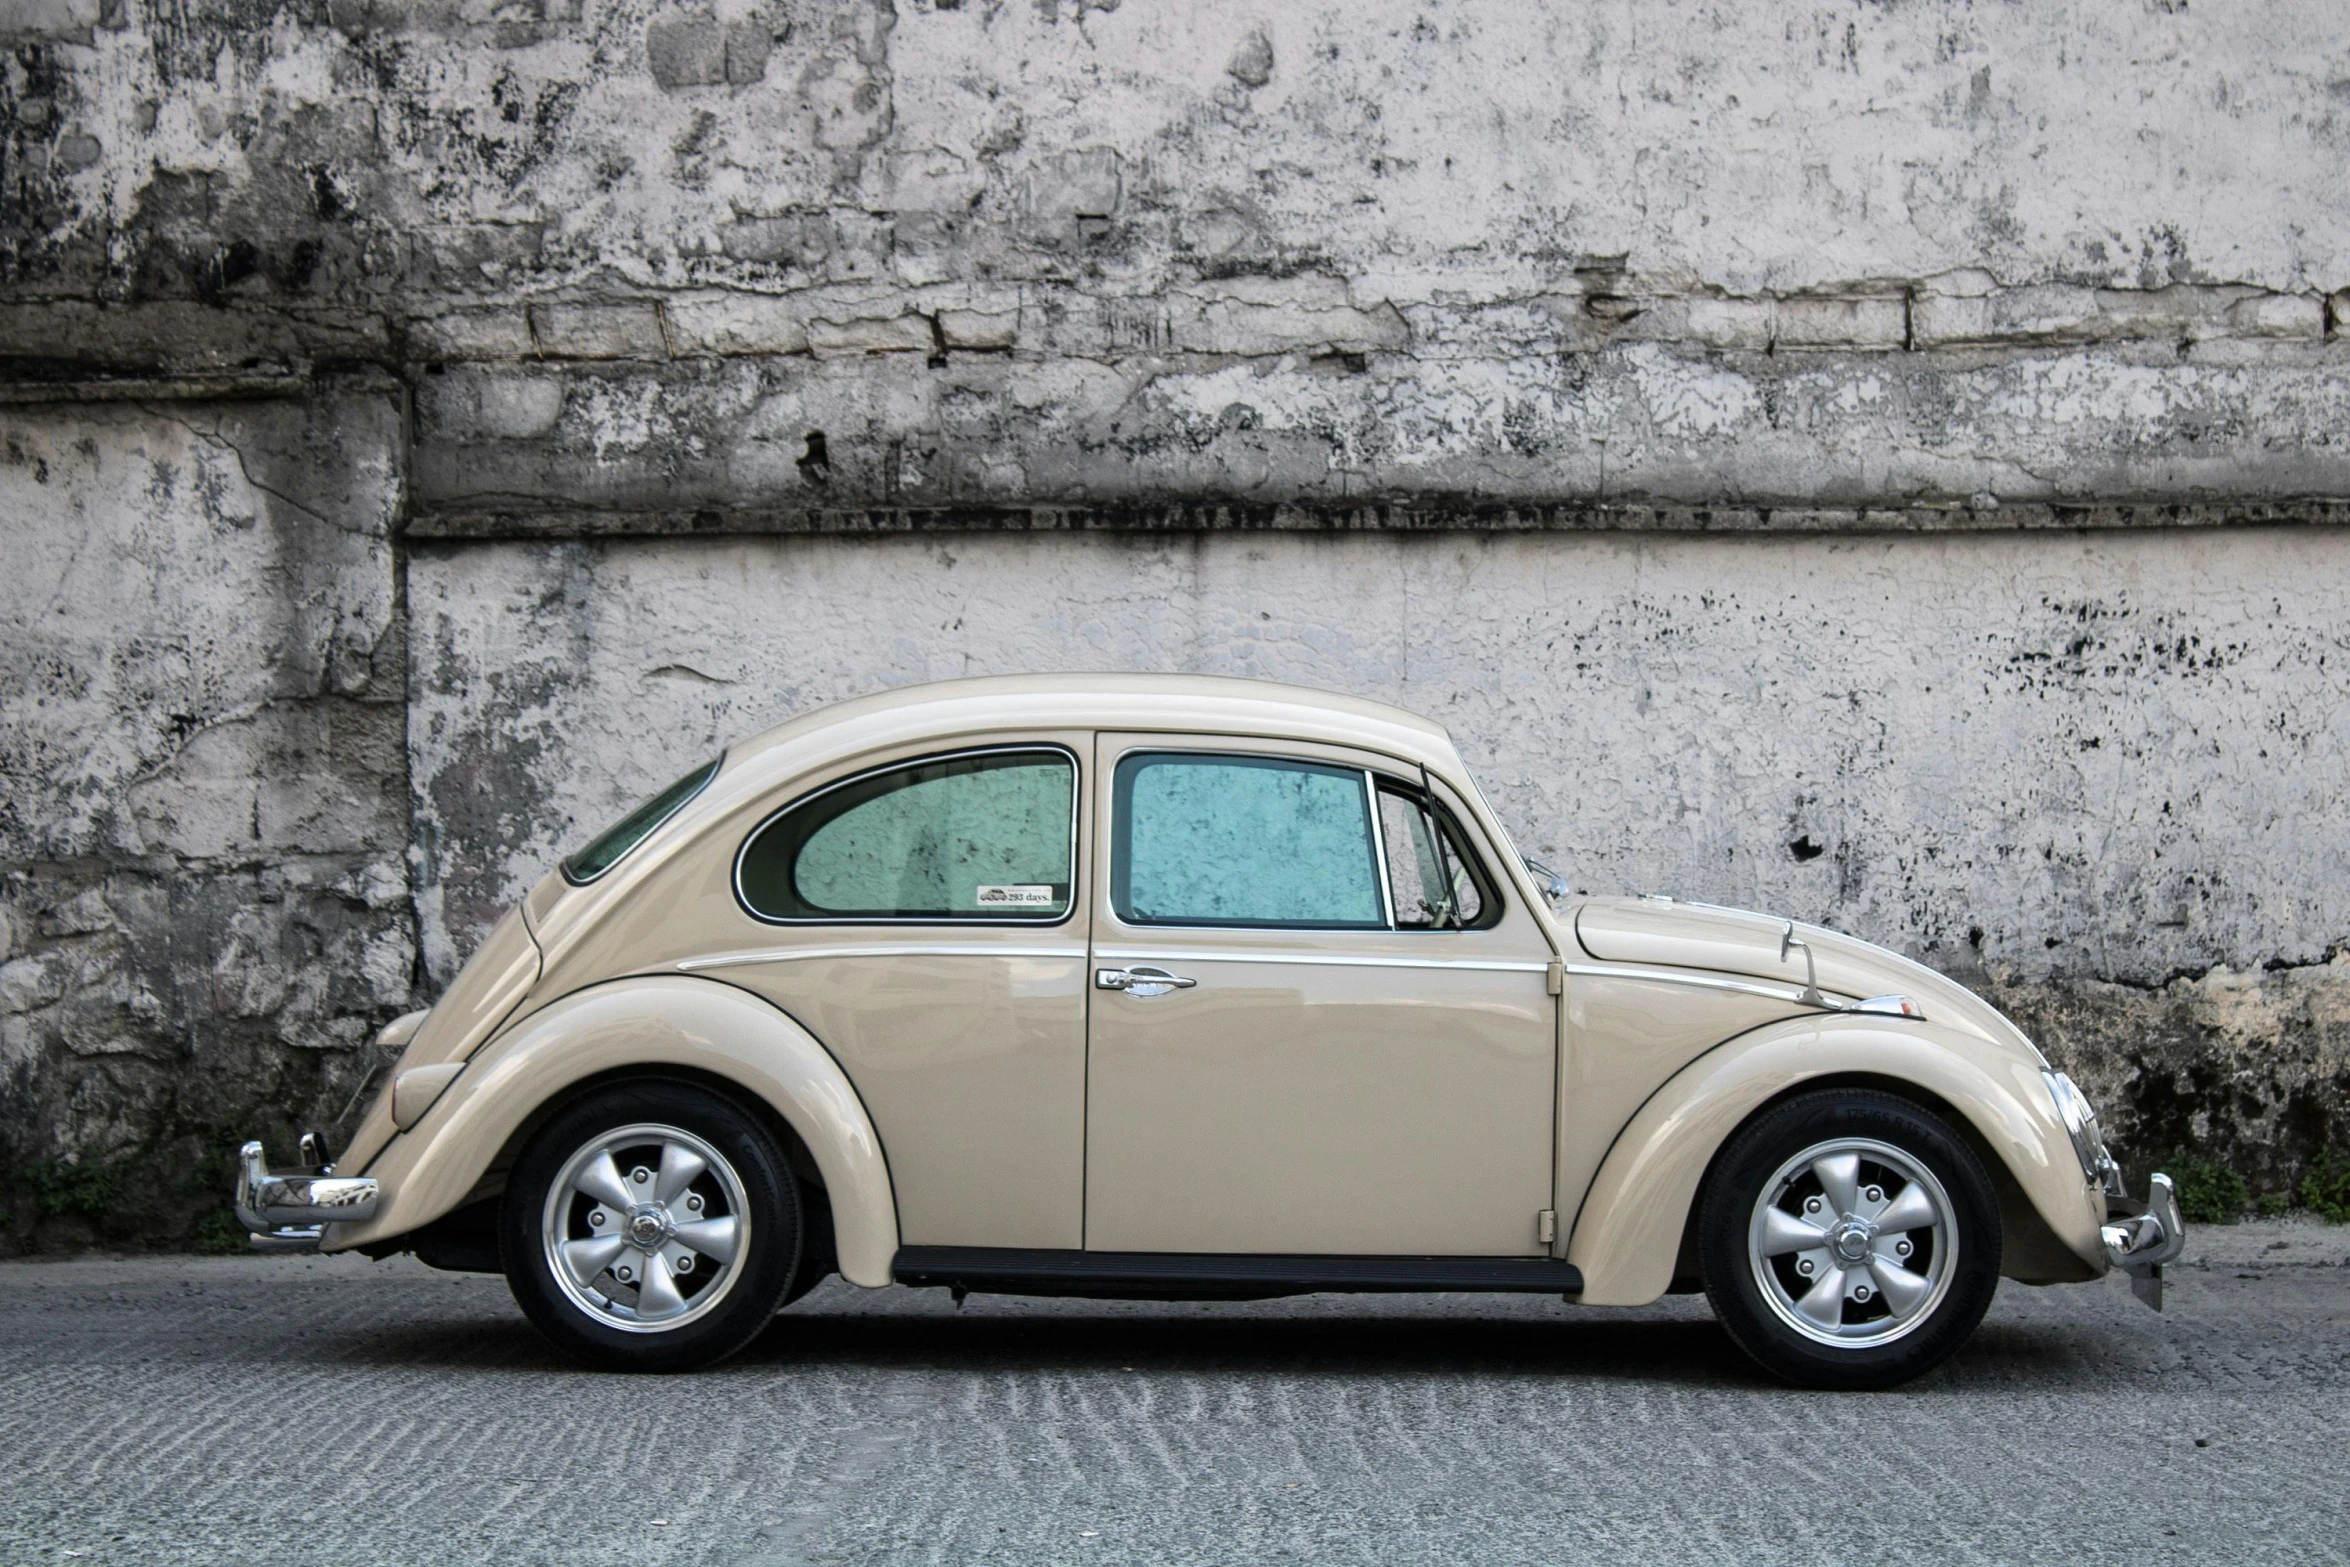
point(2140, 1238)
point(289, 1210)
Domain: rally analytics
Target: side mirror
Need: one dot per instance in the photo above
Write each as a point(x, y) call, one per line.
point(1790, 942)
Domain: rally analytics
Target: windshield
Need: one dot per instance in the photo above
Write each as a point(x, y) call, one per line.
point(625, 834)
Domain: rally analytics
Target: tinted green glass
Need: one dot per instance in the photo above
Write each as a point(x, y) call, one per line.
point(974, 837)
point(1215, 840)
point(634, 828)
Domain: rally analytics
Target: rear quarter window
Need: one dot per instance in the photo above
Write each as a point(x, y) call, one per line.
point(608, 847)
point(979, 836)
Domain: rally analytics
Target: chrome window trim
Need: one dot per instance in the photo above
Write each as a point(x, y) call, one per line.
point(1043, 747)
point(904, 950)
point(1386, 873)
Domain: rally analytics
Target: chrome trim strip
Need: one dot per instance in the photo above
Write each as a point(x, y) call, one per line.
point(1177, 954)
point(934, 950)
point(1700, 981)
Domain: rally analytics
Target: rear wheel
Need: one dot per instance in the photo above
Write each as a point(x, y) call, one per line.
point(1850, 1240)
point(651, 1227)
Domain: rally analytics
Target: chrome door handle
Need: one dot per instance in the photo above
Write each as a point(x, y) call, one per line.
point(1141, 980)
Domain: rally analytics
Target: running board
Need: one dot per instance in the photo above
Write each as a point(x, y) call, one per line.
point(1150, 1275)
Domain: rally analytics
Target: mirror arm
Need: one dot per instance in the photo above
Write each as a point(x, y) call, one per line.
point(1811, 997)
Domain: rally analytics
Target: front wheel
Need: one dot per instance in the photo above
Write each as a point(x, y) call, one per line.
point(1850, 1239)
point(651, 1227)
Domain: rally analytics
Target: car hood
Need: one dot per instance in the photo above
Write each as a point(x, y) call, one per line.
point(1668, 933)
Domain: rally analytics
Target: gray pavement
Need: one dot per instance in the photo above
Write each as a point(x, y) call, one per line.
point(300, 1411)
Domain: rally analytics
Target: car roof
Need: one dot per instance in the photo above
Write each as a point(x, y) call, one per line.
point(1213, 704)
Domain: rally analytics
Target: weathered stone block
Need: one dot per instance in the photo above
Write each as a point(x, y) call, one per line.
point(738, 324)
point(1806, 322)
point(1729, 323)
point(1071, 187)
point(2066, 313)
point(1284, 315)
point(470, 405)
point(473, 334)
point(57, 19)
point(599, 331)
point(795, 239)
point(898, 334)
point(2279, 315)
point(982, 330)
point(693, 48)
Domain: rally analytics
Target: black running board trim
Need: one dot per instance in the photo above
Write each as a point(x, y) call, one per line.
point(1025, 1271)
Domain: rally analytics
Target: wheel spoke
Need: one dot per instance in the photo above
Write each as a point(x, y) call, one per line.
point(656, 1293)
point(600, 1179)
point(1824, 1305)
point(715, 1239)
point(1783, 1232)
point(1912, 1210)
point(588, 1258)
point(1904, 1291)
point(680, 1166)
point(1839, 1178)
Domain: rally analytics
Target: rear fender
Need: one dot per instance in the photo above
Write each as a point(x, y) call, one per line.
point(1629, 1232)
point(654, 1023)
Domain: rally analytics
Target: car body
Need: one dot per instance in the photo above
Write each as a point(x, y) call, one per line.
point(1167, 986)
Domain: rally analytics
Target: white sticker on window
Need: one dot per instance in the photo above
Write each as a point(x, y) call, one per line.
point(1016, 897)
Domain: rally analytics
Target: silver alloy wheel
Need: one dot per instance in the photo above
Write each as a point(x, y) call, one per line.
point(645, 1228)
point(1853, 1243)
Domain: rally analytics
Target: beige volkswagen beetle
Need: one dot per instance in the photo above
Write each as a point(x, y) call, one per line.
point(1174, 987)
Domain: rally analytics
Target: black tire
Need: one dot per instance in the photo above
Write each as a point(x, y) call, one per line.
point(1764, 1324)
point(584, 1321)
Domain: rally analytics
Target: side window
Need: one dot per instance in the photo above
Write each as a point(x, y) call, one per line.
point(983, 836)
point(1432, 883)
point(1241, 840)
point(610, 845)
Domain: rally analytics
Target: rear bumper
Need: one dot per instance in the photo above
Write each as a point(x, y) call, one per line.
point(289, 1210)
point(2139, 1242)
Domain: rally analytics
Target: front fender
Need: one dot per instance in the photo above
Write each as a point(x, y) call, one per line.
point(1628, 1235)
point(666, 1021)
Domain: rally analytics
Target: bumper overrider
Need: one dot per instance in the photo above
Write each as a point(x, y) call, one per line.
point(288, 1210)
point(2140, 1237)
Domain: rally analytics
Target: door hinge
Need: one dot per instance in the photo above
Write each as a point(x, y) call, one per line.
point(1556, 980)
point(1546, 1226)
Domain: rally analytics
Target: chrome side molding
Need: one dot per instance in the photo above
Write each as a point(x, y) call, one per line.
point(289, 1212)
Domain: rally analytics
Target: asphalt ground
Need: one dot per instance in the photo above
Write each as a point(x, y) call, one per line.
point(295, 1411)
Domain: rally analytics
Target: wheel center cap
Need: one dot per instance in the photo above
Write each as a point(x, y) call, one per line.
point(1852, 1242)
point(648, 1226)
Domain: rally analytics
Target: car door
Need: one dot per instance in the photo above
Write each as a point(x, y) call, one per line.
point(1319, 1025)
point(921, 913)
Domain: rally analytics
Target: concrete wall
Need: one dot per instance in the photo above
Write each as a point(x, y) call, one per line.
point(205, 905)
point(2105, 776)
point(562, 389)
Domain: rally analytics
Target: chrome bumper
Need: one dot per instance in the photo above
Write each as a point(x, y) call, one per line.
point(2140, 1243)
point(289, 1211)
